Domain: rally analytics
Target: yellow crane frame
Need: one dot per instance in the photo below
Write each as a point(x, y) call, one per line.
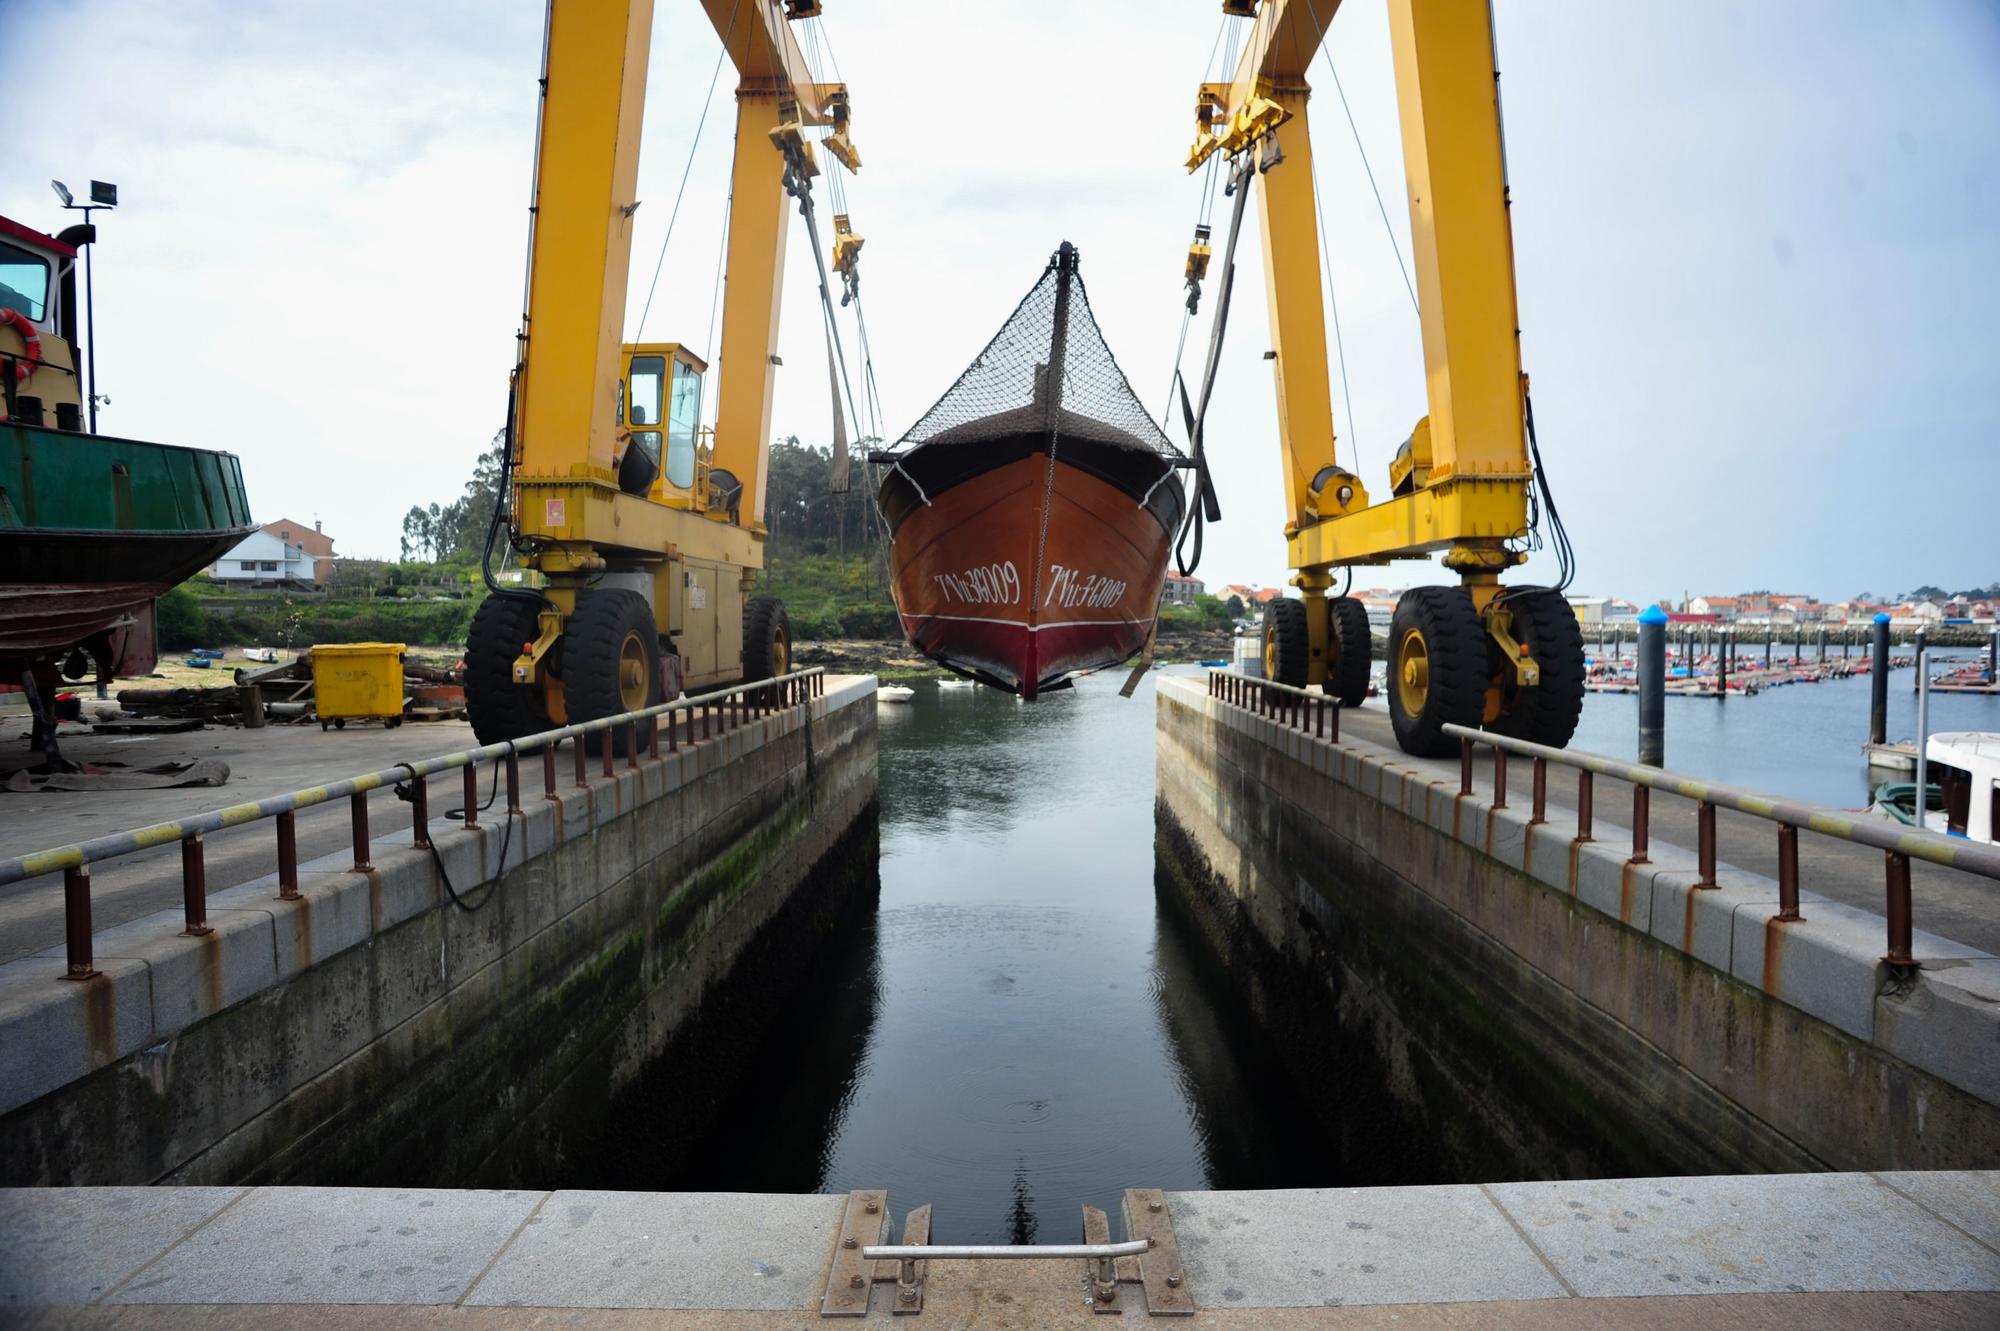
point(696, 561)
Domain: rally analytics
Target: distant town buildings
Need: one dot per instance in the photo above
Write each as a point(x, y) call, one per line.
point(1177, 590)
point(278, 554)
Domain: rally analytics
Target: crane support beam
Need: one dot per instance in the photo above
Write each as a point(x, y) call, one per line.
point(1292, 288)
point(758, 220)
point(1448, 90)
point(586, 174)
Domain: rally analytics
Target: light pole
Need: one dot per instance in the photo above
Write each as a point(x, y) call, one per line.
point(102, 195)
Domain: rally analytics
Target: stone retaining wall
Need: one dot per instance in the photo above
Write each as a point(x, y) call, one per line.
point(378, 1030)
point(1535, 1007)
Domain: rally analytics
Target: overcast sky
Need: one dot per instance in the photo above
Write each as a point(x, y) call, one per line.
point(1758, 249)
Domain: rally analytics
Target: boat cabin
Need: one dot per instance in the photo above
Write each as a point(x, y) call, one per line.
point(38, 379)
point(1965, 765)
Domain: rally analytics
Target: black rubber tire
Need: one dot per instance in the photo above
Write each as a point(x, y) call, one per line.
point(594, 642)
point(498, 708)
point(1287, 644)
point(1349, 637)
point(767, 639)
point(1545, 625)
point(1455, 647)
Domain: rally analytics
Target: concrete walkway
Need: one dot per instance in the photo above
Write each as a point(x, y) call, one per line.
point(1833, 1250)
point(272, 761)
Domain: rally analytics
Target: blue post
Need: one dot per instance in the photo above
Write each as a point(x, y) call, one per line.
point(1652, 662)
point(1878, 685)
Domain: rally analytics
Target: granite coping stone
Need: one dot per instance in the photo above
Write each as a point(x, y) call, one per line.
point(767, 1252)
point(739, 1251)
point(73, 1245)
point(338, 1245)
point(1767, 1233)
point(1326, 1247)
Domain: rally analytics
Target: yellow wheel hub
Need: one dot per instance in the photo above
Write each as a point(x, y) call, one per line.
point(1270, 652)
point(781, 652)
point(635, 676)
point(1413, 673)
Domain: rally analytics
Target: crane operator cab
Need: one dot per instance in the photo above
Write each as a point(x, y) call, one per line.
point(659, 419)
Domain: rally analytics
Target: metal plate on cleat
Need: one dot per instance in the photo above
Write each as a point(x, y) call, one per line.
point(910, 1296)
point(1103, 1294)
point(1160, 1269)
point(849, 1276)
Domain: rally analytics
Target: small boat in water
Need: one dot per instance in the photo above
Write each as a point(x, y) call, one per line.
point(1033, 508)
point(894, 693)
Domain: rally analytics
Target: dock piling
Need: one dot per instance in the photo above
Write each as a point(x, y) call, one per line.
point(1652, 663)
point(1725, 642)
point(1878, 685)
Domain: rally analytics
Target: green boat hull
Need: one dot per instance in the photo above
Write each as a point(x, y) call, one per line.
point(93, 530)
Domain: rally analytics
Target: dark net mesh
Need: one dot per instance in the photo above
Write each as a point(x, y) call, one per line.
point(1005, 392)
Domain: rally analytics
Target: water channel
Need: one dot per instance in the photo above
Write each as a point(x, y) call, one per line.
point(1018, 1028)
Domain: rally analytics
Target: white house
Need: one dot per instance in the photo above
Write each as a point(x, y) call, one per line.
point(261, 559)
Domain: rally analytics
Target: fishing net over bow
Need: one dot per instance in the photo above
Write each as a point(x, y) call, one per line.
point(1005, 392)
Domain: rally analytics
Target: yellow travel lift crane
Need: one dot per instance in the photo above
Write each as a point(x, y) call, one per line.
point(645, 528)
point(1478, 653)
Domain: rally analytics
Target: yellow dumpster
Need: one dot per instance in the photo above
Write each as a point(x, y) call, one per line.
point(353, 680)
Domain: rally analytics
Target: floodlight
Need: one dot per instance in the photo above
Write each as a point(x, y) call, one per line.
point(103, 194)
point(62, 192)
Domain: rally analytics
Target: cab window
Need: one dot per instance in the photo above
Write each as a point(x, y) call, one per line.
point(24, 281)
point(683, 418)
point(648, 376)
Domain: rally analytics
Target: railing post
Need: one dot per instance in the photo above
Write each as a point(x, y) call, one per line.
point(420, 810)
point(1642, 799)
point(471, 795)
point(632, 744)
point(76, 920)
point(1335, 734)
point(1704, 840)
point(549, 770)
point(1541, 812)
point(1499, 777)
point(1319, 727)
point(1585, 784)
point(673, 734)
point(357, 817)
point(1788, 872)
point(1898, 909)
point(582, 773)
point(653, 738)
point(608, 738)
point(194, 887)
point(1465, 767)
point(288, 856)
point(513, 783)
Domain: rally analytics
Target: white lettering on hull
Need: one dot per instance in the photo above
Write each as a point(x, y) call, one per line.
point(986, 584)
point(1071, 588)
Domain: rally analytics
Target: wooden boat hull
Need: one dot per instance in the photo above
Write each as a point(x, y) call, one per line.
point(1025, 574)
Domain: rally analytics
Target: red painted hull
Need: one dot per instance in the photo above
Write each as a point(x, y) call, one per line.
point(1026, 574)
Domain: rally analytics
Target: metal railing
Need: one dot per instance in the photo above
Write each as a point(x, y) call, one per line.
point(1315, 714)
point(715, 713)
point(1899, 845)
point(1318, 714)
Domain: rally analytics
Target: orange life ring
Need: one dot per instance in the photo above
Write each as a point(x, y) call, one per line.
point(31, 335)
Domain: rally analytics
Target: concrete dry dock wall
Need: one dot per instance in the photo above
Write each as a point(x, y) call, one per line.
point(1490, 999)
point(377, 1031)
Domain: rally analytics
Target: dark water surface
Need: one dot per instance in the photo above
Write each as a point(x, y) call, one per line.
point(1018, 1031)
